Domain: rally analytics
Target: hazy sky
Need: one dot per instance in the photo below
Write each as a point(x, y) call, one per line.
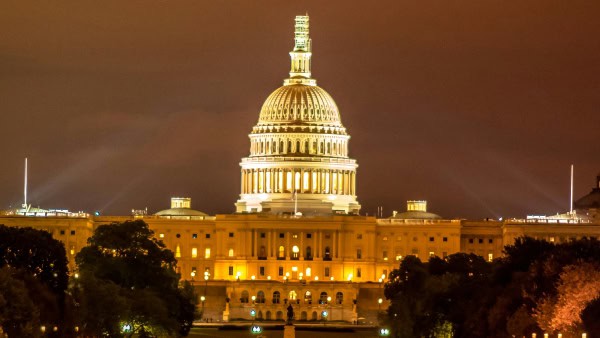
point(477, 106)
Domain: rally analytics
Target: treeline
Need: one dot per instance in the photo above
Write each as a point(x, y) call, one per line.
point(537, 287)
point(125, 285)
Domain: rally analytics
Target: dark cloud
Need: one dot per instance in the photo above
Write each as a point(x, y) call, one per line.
point(478, 107)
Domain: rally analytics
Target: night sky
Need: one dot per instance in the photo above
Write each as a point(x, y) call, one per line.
point(479, 107)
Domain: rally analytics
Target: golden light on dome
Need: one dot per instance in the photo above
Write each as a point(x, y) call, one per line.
point(298, 160)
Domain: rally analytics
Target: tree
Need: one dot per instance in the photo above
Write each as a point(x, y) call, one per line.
point(40, 263)
point(128, 284)
point(19, 317)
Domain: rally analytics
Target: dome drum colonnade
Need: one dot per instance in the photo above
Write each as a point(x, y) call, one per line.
point(299, 148)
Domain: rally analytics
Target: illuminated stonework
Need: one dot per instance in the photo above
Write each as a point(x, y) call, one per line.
point(299, 148)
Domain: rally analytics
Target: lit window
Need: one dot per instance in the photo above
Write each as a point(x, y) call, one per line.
point(490, 257)
point(552, 239)
point(177, 252)
point(281, 253)
point(194, 252)
point(207, 253)
point(295, 251)
point(161, 235)
point(398, 257)
point(308, 272)
point(431, 253)
point(230, 252)
point(385, 256)
point(72, 250)
point(385, 238)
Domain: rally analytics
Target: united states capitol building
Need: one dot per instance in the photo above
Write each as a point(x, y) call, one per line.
point(297, 235)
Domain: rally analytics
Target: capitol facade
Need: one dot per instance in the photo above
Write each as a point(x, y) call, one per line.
point(297, 236)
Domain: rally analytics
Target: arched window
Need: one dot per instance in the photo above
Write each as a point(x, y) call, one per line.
point(297, 146)
point(308, 297)
point(260, 297)
point(323, 298)
point(339, 298)
point(276, 297)
point(177, 252)
point(281, 253)
point(244, 297)
point(297, 181)
point(308, 253)
point(295, 252)
point(293, 295)
point(231, 252)
point(327, 255)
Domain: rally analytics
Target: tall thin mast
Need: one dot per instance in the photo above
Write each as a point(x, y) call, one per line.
point(25, 185)
point(571, 197)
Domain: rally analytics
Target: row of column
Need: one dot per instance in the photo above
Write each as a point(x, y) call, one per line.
point(267, 147)
point(316, 181)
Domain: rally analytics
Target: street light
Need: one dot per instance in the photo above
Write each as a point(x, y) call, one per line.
point(202, 299)
point(253, 299)
point(379, 301)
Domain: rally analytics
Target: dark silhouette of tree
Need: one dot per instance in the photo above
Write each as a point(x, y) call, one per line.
point(127, 279)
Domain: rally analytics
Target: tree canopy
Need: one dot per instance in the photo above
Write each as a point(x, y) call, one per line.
point(537, 287)
point(128, 284)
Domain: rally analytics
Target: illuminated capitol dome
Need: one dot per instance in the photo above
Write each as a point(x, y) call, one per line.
point(299, 149)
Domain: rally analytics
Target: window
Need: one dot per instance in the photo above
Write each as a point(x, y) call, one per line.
point(72, 251)
point(261, 270)
point(207, 253)
point(470, 240)
point(323, 298)
point(263, 235)
point(281, 253)
point(339, 298)
point(385, 256)
point(244, 298)
point(260, 297)
point(308, 272)
point(281, 271)
point(276, 297)
point(194, 236)
point(358, 236)
point(308, 235)
point(490, 241)
point(178, 235)
point(444, 254)
point(415, 239)
point(385, 238)
point(207, 236)
point(230, 234)
point(72, 232)
point(281, 235)
point(480, 240)
point(445, 239)
point(398, 257)
point(327, 256)
point(327, 272)
point(552, 239)
point(194, 252)
point(358, 272)
point(62, 232)
point(358, 254)
point(308, 297)
point(431, 253)
point(308, 253)
point(177, 252)
point(161, 235)
point(231, 270)
point(490, 257)
point(292, 295)
point(262, 253)
point(231, 252)
point(431, 239)
point(295, 252)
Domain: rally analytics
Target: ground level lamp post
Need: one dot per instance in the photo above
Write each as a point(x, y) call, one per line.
point(202, 299)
